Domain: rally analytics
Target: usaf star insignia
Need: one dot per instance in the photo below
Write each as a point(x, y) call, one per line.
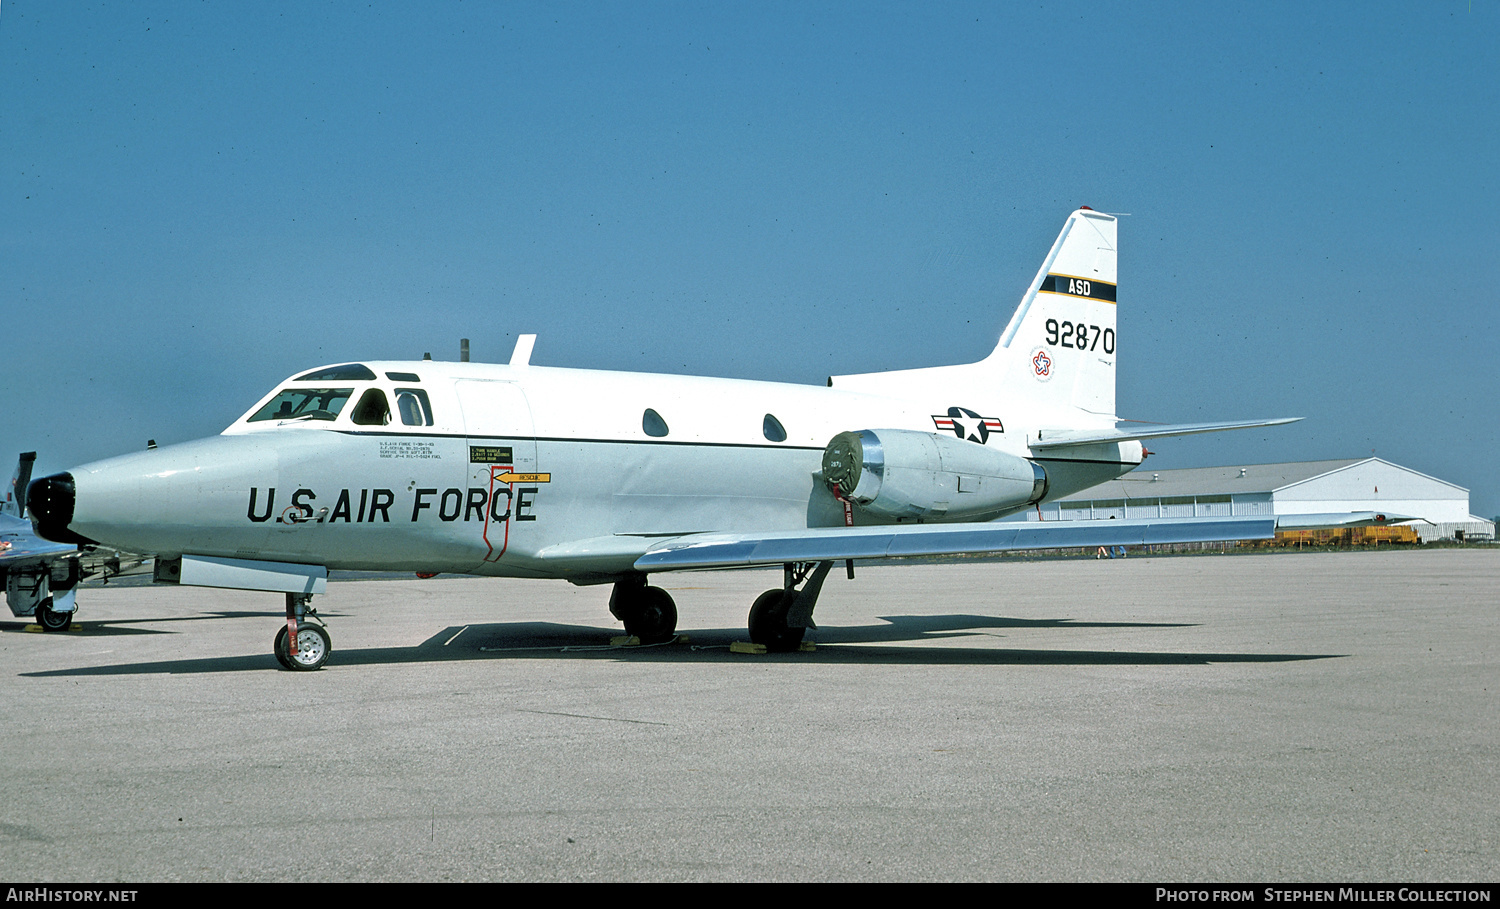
point(966, 424)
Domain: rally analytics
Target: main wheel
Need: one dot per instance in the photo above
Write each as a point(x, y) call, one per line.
point(651, 616)
point(768, 622)
point(313, 647)
point(51, 620)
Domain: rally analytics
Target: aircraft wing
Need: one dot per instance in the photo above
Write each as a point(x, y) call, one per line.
point(19, 545)
point(1067, 438)
point(817, 544)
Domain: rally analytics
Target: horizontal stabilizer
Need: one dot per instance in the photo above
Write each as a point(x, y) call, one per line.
point(1067, 438)
point(727, 550)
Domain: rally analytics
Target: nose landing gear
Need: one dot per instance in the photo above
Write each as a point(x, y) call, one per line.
point(309, 649)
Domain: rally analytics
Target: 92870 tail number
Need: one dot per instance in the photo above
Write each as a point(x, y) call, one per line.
point(1080, 336)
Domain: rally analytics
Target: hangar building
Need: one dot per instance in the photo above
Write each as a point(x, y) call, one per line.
point(1301, 487)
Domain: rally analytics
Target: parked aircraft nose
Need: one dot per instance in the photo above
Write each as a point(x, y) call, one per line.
point(188, 497)
point(49, 502)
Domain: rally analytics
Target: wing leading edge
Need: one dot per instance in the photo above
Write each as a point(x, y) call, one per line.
point(818, 544)
point(725, 550)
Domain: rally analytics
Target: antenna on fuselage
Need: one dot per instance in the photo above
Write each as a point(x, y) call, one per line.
point(521, 356)
point(463, 350)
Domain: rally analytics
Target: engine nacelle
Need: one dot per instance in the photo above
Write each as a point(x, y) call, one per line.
point(902, 473)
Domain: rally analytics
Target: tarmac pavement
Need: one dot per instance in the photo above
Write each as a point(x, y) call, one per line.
point(1278, 718)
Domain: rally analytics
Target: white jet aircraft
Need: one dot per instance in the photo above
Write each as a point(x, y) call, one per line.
point(608, 477)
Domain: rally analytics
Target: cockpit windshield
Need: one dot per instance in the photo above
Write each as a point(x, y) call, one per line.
point(304, 404)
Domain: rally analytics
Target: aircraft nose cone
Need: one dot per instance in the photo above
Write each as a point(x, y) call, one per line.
point(49, 503)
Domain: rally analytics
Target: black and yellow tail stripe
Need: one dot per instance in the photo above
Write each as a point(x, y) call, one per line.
point(1074, 286)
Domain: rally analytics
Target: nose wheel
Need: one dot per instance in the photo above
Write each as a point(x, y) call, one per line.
point(309, 650)
point(313, 647)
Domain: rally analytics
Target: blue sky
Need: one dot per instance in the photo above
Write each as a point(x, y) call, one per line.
point(199, 199)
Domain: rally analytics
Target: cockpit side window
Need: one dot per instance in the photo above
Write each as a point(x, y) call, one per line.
point(304, 404)
point(372, 409)
point(414, 407)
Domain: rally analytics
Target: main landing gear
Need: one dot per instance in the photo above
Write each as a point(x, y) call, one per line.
point(312, 643)
point(780, 617)
point(51, 592)
point(648, 612)
point(50, 619)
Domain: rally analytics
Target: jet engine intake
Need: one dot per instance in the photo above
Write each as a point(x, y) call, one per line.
point(50, 502)
point(903, 473)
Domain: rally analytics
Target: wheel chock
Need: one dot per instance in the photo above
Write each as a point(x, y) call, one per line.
point(747, 647)
point(630, 640)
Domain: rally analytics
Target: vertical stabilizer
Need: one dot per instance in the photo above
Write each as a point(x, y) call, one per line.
point(15, 493)
point(1056, 356)
point(1061, 341)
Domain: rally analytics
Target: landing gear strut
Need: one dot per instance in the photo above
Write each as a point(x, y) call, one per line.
point(780, 617)
point(312, 642)
point(648, 612)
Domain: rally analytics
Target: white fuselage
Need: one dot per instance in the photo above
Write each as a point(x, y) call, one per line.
point(528, 471)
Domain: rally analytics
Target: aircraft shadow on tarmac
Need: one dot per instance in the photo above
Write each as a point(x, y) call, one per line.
point(900, 640)
point(131, 627)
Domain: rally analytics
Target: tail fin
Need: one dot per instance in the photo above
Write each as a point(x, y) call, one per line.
point(1057, 352)
point(1062, 336)
point(15, 493)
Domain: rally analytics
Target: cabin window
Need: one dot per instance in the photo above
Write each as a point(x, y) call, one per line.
point(653, 424)
point(403, 377)
point(349, 372)
point(772, 429)
point(304, 404)
point(372, 409)
point(414, 407)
